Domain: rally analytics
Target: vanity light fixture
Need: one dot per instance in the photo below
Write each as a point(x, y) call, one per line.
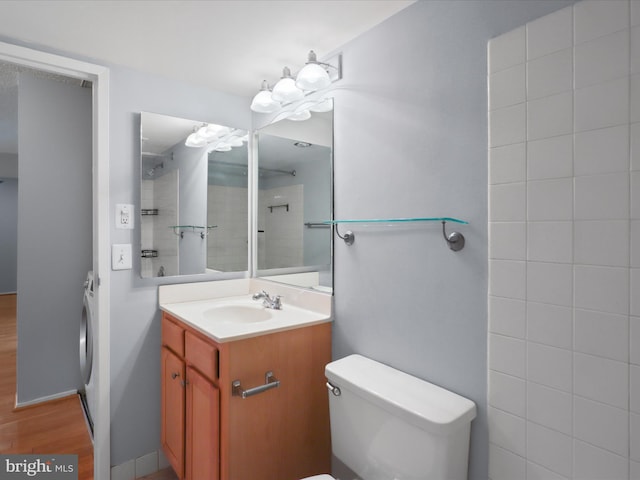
point(234, 138)
point(314, 76)
point(300, 116)
point(286, 91)
point(325, 105)
point(216, 138)
point(195, 140)
point(262, 102)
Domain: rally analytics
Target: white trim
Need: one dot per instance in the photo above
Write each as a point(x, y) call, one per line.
point(99, 76)
point(48, 398)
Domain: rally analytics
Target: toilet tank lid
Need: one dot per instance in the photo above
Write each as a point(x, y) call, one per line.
point(421, 403)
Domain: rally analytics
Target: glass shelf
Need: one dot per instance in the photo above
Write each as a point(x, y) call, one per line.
point(179, 230)
point(455, 240)
point(398, 220)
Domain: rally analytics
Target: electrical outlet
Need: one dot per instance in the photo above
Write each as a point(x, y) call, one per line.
point(124, 216)
point(121, 258)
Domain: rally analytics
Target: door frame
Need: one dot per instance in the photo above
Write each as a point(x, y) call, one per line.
point(99, 76)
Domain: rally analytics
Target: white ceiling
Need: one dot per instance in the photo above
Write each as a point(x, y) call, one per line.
point(225, 45)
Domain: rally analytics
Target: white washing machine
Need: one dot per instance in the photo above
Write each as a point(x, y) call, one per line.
point(87, 327)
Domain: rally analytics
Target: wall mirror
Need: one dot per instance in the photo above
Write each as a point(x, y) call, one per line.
point(295, 197)
point(194, 197)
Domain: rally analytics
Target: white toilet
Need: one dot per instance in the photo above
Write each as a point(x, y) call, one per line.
point(388, 425)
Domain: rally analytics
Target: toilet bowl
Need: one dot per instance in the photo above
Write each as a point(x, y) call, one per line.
point(386, 424)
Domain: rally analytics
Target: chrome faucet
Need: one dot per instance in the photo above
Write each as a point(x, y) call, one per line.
point(268, 301)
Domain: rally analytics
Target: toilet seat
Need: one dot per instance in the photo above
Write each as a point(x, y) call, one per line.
point(319, 477)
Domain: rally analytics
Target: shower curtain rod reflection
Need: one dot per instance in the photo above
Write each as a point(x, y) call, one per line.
point(260, 169)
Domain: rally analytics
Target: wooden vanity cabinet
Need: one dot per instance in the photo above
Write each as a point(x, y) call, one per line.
point(173, 409)
point(279, 434)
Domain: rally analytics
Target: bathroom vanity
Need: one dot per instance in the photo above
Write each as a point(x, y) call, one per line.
point(243, 387)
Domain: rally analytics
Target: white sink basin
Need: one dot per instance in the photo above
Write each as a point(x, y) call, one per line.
point(233, 318)
point(238, 313)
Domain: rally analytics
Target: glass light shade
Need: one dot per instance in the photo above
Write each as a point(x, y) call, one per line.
point(222, 147)
point(264, 103)
point(212, 131)
point(323, 106)
point(312, 77)
point(194, 140)
point(234, 141)
point(300, 116)
point(285, 90)
point(205, 133)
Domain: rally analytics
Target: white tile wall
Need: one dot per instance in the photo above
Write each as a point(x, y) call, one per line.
point(550, 241)
point(504, 465)
point(507, 164)
point(549, 34)
point(635, 97)
point(602, 151)
point(549, 158)
point(507, 393)
point(549, 200)
point(507, 316)
point(550, 74)
point(605, 58)
point(549, 448)
point(549, 116)
point(602, 105)
point(283, 236)
point(227, 244)
point(550, 407)
point(595, 463)
point(564, 246)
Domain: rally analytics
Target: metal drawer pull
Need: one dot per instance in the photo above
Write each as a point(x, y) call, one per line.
point(269, 382)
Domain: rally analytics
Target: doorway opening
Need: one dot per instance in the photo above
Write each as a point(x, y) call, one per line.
point(99, 77)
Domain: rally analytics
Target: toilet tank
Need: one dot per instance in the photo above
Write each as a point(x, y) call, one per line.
point(388, 425)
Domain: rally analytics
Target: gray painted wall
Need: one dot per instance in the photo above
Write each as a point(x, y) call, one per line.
point(8, 235)
point(411, 140)
point(135, 318)
point(54, 232)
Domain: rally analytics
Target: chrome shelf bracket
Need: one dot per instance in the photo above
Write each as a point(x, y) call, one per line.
point(455, 240)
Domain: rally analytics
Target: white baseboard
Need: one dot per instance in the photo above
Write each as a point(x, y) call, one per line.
point(48, 398)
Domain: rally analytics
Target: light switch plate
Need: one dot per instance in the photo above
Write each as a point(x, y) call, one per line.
point(124, 216)
point(121, 258)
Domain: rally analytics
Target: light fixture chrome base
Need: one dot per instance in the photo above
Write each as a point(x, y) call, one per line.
point(455, 240)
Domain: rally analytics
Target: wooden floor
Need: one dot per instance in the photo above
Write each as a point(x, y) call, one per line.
point(56, 427)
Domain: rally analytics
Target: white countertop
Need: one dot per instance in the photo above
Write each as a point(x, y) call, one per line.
point(235, 317)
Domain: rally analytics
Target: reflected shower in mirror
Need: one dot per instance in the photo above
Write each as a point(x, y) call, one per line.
point(194, 197)
point(295, 197)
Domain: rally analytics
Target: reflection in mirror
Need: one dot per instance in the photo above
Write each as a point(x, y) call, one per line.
point(193, 198)
point(295, 197)
point(227, 210)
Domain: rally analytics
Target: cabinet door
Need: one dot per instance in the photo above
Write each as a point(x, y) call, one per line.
point(203, 432)
point(173, 409)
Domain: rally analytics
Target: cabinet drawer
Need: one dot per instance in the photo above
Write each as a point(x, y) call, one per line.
point(172, 335)
point(202, 355)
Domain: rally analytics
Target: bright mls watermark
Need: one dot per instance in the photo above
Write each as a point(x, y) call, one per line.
point(51, 467)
